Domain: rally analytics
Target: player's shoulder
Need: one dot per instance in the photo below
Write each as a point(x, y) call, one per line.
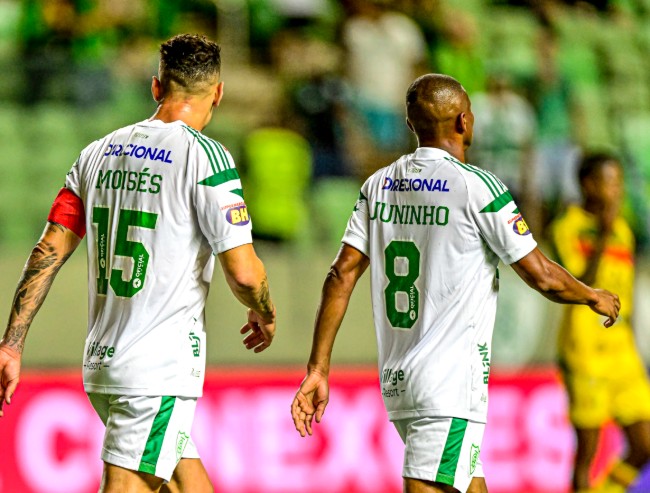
point(624, 231)
point(477, 178)
point(210, 149)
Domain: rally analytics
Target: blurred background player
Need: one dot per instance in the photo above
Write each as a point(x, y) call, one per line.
point(159, 200)
point(434, 255)
point(604, 375)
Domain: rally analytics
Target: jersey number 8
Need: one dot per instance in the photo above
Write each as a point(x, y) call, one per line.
point(402, 297)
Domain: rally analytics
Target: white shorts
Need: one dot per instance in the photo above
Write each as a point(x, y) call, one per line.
point(442, 450)
point(146, 434)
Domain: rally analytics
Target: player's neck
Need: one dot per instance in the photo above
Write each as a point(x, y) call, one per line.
point(195, 114)
point(593, 206)
point(453, 147)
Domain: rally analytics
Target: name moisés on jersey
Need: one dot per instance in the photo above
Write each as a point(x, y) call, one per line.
point(132, 181)
point(427, 215)
point(415, 185)
point(139, 152)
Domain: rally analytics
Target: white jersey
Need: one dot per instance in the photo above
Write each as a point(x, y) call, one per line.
point(159, 198)
point(434, 229)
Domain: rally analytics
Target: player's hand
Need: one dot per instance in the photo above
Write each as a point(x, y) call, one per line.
point(261, 332)
point(9, 374)
point(608, 305)
point(310, 402)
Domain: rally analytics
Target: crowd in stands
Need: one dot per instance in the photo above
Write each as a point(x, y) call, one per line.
point(315, 89)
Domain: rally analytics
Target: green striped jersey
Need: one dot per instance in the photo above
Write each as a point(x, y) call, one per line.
point(160, 200)
point(435, 229)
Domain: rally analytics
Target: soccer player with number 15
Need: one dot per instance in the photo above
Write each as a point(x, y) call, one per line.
point(158, 200)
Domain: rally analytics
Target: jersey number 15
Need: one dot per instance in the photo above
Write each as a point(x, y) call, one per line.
point(123, 248)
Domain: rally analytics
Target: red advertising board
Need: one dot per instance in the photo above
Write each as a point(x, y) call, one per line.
point(51, 437)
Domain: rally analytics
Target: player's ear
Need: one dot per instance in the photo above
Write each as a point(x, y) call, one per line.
point(218, 94)
point(461, 123)
point(156, 89)
point(410, 125)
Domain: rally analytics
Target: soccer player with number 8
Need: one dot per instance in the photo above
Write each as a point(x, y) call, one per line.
point(433, 229)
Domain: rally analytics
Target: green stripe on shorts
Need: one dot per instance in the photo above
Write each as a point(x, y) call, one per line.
point(451, 453)
point(157, 435)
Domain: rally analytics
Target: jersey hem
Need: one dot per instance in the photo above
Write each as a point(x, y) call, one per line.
point(438, 413)
point(141, 391)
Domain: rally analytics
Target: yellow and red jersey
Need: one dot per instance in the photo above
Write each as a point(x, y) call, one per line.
point(585, 345)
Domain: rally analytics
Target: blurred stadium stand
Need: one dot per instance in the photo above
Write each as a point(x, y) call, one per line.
point(580, 67)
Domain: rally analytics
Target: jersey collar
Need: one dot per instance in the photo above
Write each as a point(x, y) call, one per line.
point(430, 153)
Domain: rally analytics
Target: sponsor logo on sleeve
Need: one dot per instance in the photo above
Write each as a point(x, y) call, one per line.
point(519, 226)
point(237, 214)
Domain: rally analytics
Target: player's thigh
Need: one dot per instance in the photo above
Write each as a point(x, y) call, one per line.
point(441, 451)
point(189, 477)
point(587, 444)
point(638, 439)
point(631, 396)
point(412, 485)
point(116, 479)
point(418, 486)
point(589, 400)
point(146, 434)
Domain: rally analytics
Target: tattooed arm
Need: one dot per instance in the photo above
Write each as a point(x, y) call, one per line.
point(246, 277)
point(55, 247)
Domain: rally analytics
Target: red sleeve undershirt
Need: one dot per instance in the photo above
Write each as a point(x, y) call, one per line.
point(68, 211)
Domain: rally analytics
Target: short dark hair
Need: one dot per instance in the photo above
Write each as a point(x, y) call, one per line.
point(428, 100)
point(189, 61)
point(592, 162)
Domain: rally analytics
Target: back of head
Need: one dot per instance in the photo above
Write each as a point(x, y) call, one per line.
point(189, 63)
point(433, 102)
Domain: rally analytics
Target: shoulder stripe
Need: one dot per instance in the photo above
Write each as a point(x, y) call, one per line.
point(497, 204)
point(219, 178)
point(498, 182)
point(472, 169)
point(489, 176)
point(209, 151)
point(222, 153)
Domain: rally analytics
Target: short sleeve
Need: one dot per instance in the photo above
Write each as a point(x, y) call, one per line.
point(356, 233)
point(219, 199)
point(73, 178)
point(498, 218)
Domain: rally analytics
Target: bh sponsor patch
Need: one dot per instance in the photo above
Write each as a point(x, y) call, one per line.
point(238, 215)
point(519, 226)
